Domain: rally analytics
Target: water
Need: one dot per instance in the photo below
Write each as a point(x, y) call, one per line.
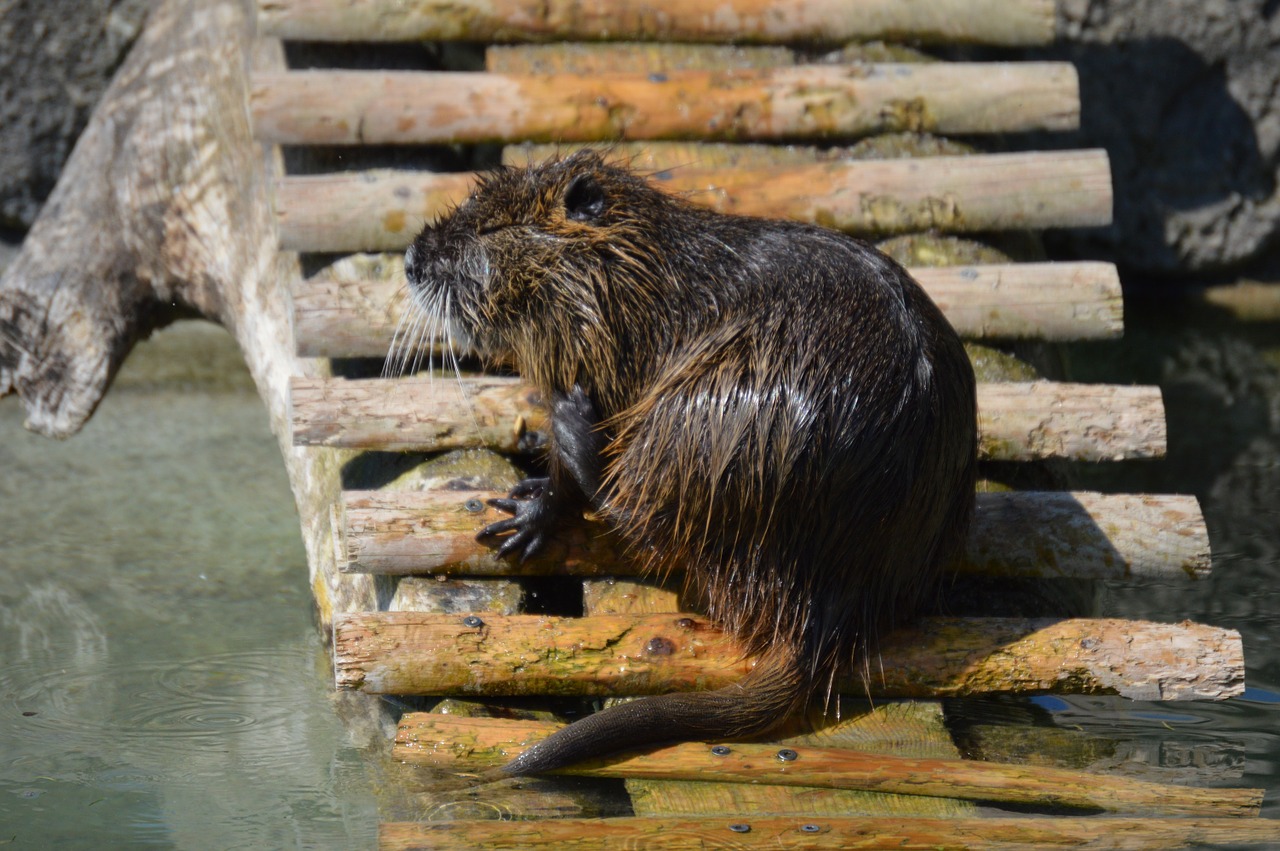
point(163, 684)
point(1220, 377)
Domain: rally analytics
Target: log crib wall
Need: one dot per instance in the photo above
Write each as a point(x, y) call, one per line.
point(711, 121)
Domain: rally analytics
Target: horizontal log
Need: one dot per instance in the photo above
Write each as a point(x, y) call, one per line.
point(998, 22)
point(1016, 421)
point(1050, 301)
point(1020, 534)
point(822, 833)
point(789, 103)
point(585, 57)
point(609, 655)
point(474, 744)
point(383, 210)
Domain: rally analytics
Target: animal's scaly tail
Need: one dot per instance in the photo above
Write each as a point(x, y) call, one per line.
point(754, 705)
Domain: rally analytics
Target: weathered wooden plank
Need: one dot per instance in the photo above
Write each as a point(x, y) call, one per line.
point(471, 744)
point(1016, 421)
point(1050, 301)
point(1020, 534)
point(998, 22)
point(788, 103)
point(819, 833)
point(383, 210)
point(412, 653)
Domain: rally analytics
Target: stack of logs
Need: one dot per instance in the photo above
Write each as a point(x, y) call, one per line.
point(461, 633)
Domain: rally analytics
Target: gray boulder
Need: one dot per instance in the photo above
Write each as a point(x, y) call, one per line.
point(1185, 96)
point(56, 58)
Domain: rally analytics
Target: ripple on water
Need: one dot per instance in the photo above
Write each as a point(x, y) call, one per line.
point(170, 720)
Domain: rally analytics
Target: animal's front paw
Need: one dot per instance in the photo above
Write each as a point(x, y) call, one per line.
point(535, 511)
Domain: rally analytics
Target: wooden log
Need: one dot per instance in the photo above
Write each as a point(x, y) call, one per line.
point(1021, 534)
point(631, 57)
point(914, 727)
point(903, 728)
point(412, 653)
point(474, 744)
point(819, 833)
point(383, 210)
point(998, 22)
point(1084, 422)
point(1016, 421)
point(789, 103)
point(1050, 301)
point(651, 157)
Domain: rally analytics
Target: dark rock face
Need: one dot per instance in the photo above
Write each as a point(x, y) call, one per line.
point(56, 59)
point(1185, 95)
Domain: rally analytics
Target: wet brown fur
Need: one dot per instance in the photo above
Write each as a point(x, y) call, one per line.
point(783, 414)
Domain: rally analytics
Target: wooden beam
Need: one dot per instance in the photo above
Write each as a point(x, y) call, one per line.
point(1050, 301)
point(998, 22)
point(1017, 421)
point(789, 103)
point(822, 833)
point(1022, 534)
point(383, 210)
point(474, 744)
point(608, 655)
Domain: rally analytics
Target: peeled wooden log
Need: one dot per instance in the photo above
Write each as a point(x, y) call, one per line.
point(631, 57)
point(383, 210)
point(1016, 421)
point(614, 655)
point(820, 102)
point(1020, 534)
point(1051, 301)
point(999, 22)
point(821, 833)
point(474, 744)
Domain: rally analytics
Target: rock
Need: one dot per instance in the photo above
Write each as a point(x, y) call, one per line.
point(1184, 96)
point(57, 58)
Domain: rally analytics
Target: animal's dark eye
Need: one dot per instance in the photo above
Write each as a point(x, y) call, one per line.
point(584, 200)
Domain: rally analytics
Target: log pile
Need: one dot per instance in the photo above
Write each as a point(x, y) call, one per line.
point(650, 103)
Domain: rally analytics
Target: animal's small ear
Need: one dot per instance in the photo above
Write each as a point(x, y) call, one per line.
point(584, 199)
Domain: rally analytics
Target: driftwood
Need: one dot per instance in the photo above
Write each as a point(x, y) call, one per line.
point(1021, 534)
point(611, 655)
point(817, 833)
point(766, 104)
point(1000, 22)
point(383, 210)
point(1049, 301)
point(472, 744)
point(162, 211)
point(1017, 421)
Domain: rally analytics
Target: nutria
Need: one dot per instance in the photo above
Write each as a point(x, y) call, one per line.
point(776, 409)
